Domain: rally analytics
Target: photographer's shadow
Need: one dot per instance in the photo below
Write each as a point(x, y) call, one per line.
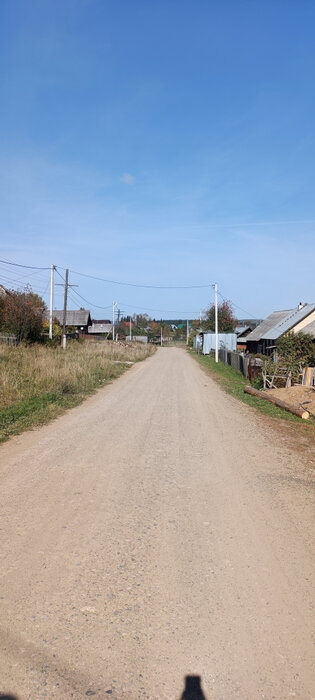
point(193, 689)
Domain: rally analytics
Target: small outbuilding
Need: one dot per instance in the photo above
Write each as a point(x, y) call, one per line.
point(78, 319)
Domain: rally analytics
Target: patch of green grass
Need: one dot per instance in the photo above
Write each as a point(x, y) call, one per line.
point(37, 410)
point(233, 383)
point(38, 383)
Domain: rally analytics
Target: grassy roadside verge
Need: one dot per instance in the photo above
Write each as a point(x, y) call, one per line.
point(38, 383)
point(233, 383)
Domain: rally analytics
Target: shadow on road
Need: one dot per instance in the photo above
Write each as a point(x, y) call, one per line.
point(193, 689)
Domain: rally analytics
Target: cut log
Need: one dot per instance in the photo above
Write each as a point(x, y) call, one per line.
point(277, 402)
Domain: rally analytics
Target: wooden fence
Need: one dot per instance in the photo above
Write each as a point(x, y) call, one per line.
point(8, 339)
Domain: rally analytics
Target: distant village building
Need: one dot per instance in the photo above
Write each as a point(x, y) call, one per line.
point(100, 328)
point(78, 319)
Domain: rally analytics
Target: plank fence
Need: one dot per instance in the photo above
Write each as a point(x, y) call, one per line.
point(8, 339)
point(235, 360)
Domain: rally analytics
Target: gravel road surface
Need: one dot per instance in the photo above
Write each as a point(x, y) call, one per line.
point(157, 531)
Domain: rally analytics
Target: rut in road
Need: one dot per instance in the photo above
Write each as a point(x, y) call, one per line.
point(157, 531)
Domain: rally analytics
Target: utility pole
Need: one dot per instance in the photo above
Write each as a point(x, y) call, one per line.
point(51, 300)
point(114, 307)
point(161, 336)
point(65, 301)
point(187, 331)
point(64, 337)
point(216, 322)
point(130, 328)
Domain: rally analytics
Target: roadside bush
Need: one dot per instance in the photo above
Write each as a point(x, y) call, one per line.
point(296, 350)
point(22, 314)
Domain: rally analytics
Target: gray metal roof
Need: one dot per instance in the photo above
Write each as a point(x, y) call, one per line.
point(269, 322)
point(239, 330)
point(290, 321)
point(79, 317)
point(100, 328)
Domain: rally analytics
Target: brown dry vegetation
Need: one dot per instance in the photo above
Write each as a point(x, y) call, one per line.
point(37, 382)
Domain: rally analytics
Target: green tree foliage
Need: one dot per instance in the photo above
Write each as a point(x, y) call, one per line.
point(22, 314)
point(226, 320)
point(140, 324)
point(295, 351)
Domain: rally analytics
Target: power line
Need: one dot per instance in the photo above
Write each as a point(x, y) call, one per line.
point(131, 306)
point(29, 274)
point(237, 307)
point(83, 298)
point(36, 289)
point(109, 281)
point(28, 267)
point(164, 311)
point(139, 286)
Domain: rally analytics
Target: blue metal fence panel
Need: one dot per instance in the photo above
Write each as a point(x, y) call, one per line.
point(226, 340)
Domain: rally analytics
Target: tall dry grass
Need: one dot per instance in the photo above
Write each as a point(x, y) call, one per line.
point(36, 370)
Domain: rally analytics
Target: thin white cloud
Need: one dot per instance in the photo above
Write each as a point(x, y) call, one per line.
point(127, 179)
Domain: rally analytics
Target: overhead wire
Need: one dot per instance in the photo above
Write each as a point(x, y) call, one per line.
point(29, 267)
point(250, 316)
point(81, 297)
point(117, 282)
point(139, 286)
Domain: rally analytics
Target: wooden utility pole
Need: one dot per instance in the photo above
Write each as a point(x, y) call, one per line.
point(64, 337)
point(216, 322)
point(65, 301)
point(51, 301)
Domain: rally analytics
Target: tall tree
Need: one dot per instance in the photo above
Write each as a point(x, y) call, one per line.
point(22, 314)
point(226, 319)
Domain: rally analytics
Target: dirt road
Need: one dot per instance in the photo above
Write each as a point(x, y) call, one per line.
point(154, 532)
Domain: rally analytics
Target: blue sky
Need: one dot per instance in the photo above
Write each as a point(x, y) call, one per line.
point(160, 143)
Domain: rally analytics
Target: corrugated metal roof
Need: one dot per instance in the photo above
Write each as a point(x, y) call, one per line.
point(79, 317)
point(100, 328)
point(241, 329)
point(269, 322)
point(286, 324)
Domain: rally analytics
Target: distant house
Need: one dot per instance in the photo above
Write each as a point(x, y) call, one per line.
point(100, 327)
point(241, 335)
point(78, 319)
point(263, 339)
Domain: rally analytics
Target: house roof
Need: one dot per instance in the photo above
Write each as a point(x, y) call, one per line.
point(269, 322)
point(100, 320)
point(100, 327)
point(290, 321)
point(79, 317)
point(239, 330)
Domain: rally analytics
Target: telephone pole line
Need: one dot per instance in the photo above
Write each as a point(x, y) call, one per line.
point(216, 322)
point(114, 307)
point(65, 301)
point(51, 300)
